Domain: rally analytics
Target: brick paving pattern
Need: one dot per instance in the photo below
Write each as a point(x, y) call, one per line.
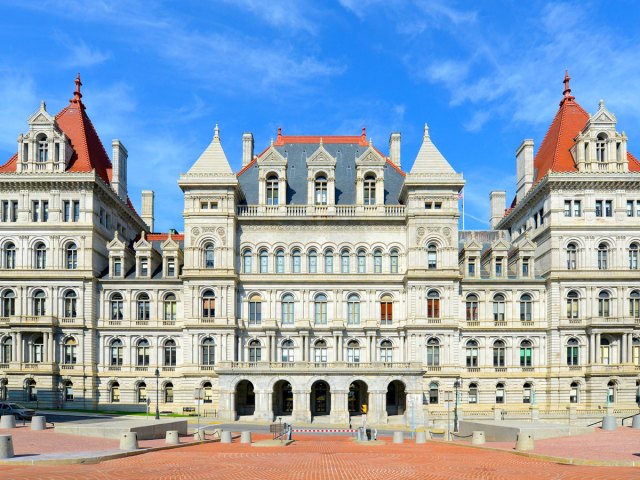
point(322, 457)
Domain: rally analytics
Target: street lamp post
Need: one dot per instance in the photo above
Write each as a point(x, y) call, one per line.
point(413, 422)
point(457, 385)
point(157, 394)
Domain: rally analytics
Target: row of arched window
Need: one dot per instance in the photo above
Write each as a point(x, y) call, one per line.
point(35, 350)
point(140, 392)
point(604, 256)
point(38, 305)
point(142, 352)
point(604, 306)
point(499, 310)
point(40, 256)
point(143, 308)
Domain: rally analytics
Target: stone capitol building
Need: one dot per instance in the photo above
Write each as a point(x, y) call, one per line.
point(322, 277)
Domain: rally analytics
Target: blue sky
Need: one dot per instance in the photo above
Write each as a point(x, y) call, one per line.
point(159, 76)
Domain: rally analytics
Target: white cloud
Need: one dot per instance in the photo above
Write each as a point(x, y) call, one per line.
point(82, 55)
point(288, 14)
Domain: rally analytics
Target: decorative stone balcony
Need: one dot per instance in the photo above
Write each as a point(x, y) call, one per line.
point(326, 211)
point(315, 367)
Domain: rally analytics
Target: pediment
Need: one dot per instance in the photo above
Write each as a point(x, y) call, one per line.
point(500, 244)
point(170, 244)
point(371, 157)
point(603, 116)
point(473, 245)
point(143, 243)
point(116, 243)
point(41, 116)
point(526, 245)
point(321, 158)
point(272, 157)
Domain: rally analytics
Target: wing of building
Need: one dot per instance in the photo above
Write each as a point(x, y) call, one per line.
point(322, 281)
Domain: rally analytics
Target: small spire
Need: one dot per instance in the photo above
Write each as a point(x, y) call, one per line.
point(272, 142)
point(142, 235)
point(601, 104)
point(216, 132)
point(279, 132)
point(364, 132)
point(43, 105)
point(426, 131)
point(320, 141)
point(370, 141)
point(77, 96)
point(567, 89)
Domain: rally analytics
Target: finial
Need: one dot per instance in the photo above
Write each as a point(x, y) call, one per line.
point(426, 130)
point(601, 104)
point(279, 132)
point(320, 141)
point(77, 95)
point(567, 89)
point(142, 235)
point(43, 105)
point(216, 132)
point(370, 141)
point(364, 132)
point(272, 141)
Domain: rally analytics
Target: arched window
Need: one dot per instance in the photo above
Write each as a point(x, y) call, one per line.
point(526, 353)
point(246, 261)
point(370, 190)
point(170, 353)
point(43, 148)
point(328, 261)
point(601, 148)
point(168, 392)
point(605, 351)
point(71, 256)
point(208, 392)
point(572, 255)
point(500, 397)
point(255, 351)
point(433, 393)
point(255, 309)
point(573, 352)
point(386, 351)
point(264, 261)
point(142, 307)
point(9, 259)
point(611, 392)
point(40, 260)
point(635, 351)
point(115, 352)
point(526, 392)
point(39, 303)
point(386, 310)
point(279, 261)
point(472, 307)
point(353, 309)
point(499, 353)
point(574, 393)
point(353, 352)
point(114, 393)
point(433, 304)
point(573, 304)
point(432, 256)
point(209, 255)
point(69, 351)
point(6, 354)
point(604, 304)
point(117, 306)
point(31, 390)
point(472, 353)
point(362, 261)
point(320, 351)
point(287, 351)
point(141, 392)
point(526, 305)
point(296, 261)
point(321, 190)
point(272, 190)
point(433, 352)
point(208, 304)
point(633, 256)
point(312, 258)
point(377, 261)
point(8, 303)
point(320, 307)
point(207, 351)
point(170, 307)
point(67, 388)
point(473, 392)
point(70, 304)
point(603, 256)
point(344, 261)
point(142, 353)
point(634, 304)
point(498, 307)
point(393, 260)
point(288, 310)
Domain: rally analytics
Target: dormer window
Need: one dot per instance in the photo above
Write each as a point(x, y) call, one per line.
point(601, 148)
point(272, 190)
point(117, 267)
point(171, 267)
point(43, 149)
point(321, 190)
point(370, 190)
point(144, 267)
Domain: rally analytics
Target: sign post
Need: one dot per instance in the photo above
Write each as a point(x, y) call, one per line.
point(198, 395)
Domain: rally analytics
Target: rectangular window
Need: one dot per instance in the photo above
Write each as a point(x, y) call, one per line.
point(472, 268)
point(598, 208)
point(437, 205)
point(577, 208)
point(45, 210)
point(386, 313)
point(255, 313)
point(498, 267)
point(117, 267)
point(171, 267)
point(567, 208)
point(427, 205)
point(204, 205)
point(66, 211)
point(247, 263)
point(608, 208)
point(345, 263)
point(629, 208)
point(35, 211)
point(76, 210)
point(5, 210)
point(525, 267)
point(328, 263)
point(102, 215)
point(144, 267)
point(14, 211)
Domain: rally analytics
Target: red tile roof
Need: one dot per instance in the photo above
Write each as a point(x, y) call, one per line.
point(10, 166)
point(359, 139)
point(163, 236)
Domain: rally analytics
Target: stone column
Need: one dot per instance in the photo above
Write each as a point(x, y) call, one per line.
point(227, 405)
point(264, 405)
point(597, 348)
point(301, 406)
point(45, 347)
point(592, 348)
point(339, 407)
point(377, 412)
point(623, 348)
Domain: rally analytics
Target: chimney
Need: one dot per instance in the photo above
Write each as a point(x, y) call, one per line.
point(394, 148)
point(524, 168)
point(247, 148)
point(119, 174)
point(498, 199)
point(147, 208)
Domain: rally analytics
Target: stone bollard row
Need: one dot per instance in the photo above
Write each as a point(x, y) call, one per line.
point(225, 437)
point(524, 441)
point(38, 423)
point(636, 422)
point(421, 436)
point(199, 436)
point(245, 437)
point(609, 422)
point(477, 437)
point(398, 437)
point(129, 441)
point(172, 437)
point(8, 421)
point(6, 446)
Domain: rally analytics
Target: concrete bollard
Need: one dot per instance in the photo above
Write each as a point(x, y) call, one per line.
point(609, 422)
point(38, 423)
point(524, 441)
point(198, 436)
point(172, 438)
point(245, 437)
point(225, 437)
point(6, 446)
point(421, 436)
point(635, 422)
point(477, 437)
point(8, 421)
point(129, 441)
point(398, 437)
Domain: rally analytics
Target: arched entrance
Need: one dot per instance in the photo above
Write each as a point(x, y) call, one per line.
point(245, 398)
point(282, 399)
point(320, 399)
point(396, 398)
point(358, 396)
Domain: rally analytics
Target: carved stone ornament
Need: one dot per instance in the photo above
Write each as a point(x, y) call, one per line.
point(195, 231)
